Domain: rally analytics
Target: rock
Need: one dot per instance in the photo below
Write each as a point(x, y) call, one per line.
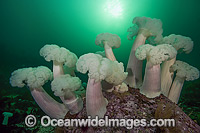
point(133, 105)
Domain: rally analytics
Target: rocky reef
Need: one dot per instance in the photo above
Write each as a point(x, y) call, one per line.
point(134, 105)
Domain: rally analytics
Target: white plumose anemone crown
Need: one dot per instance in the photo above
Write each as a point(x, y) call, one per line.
point(152, 27)
point(100, 68)
point(112, 40)
point(179, 42)
point(155, 54)
point(60, 54)
point(132, 31)
point(184, 70)
point(32, 77)
point(65, 83)
point(19, 76)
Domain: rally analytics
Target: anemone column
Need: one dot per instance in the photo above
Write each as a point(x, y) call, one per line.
point(151, 86)
point(48, 104)
point(95, 101)
point(134, 67)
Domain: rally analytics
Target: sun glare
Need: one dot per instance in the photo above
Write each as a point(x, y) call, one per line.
point(113, 8)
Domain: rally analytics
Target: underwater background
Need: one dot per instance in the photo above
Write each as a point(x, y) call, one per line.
point(27, 25)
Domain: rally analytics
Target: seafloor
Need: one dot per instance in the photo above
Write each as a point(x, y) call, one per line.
point(130, 105)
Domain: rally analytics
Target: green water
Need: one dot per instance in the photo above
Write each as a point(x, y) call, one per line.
point(27, 25)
